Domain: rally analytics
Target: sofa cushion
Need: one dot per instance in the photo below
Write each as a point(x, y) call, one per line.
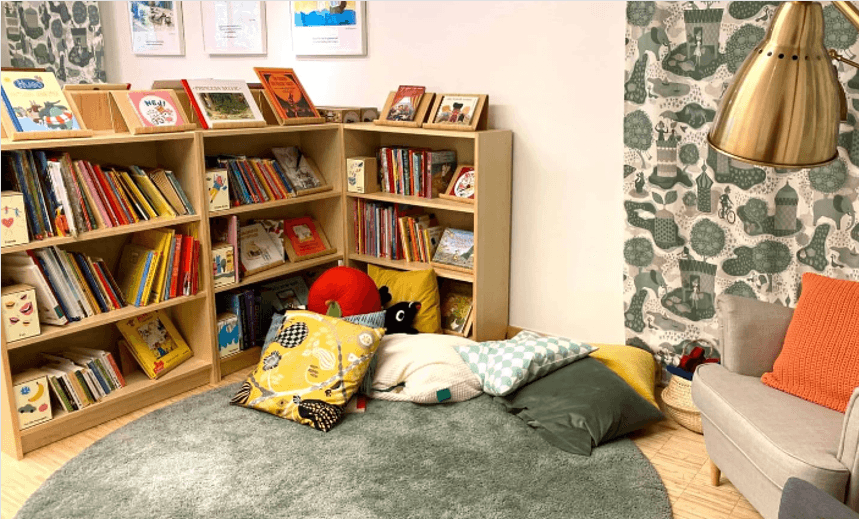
point(820, 357)
point(782, 435)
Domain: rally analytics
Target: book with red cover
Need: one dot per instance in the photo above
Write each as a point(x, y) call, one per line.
point(83, 169)
point(195, 266)
point(258, 192)
point(103, 285)
point(405, 104)
point(303, 235)
point(176, 267)
point(109, 195)
point(187, 258)
point(116, 370)
point(200, 119)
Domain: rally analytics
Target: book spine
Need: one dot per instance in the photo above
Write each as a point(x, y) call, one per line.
point(105, 387)
point(270, 192)
point(200, 118)
point(56, 214)
point(82, 383)
point(29, 191)
point(114, 286)
point(94, 192)
point(248, 299)
point(60, 393)
point(71, 281)
point(146, 281)
point(45, 212)
point(106, 286)
point(257, 193)
point(239, 181)
point(132, 210)
point(70, 390)
point(76, 179)
point(82, 284)
point(71, 213)
point(147, 210)
point(107, 194)
point(187, 256)
point(181, 192)
point(175, 267)
point(235, 305)
point(11, 111)
point(116, 371)
point(282, 175)
point(92, 384)
point(15, 163)
point(195, 270)
point(102, 368)
point(94, 288)
point(53, 282)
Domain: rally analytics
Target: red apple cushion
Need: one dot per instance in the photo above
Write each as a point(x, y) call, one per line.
point(353, 290)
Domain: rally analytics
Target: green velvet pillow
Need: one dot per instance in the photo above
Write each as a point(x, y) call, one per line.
point(581, 406)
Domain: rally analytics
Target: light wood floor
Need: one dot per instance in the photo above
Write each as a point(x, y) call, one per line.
point(677, 454)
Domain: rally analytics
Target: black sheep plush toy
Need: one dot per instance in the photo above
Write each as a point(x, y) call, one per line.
point(399, 317)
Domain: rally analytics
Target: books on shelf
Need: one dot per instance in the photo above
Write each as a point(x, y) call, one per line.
point(303, 239)
point(80, 377)
point(154, 342)
point(300, 170)
point(218, 185)
point(257, 250)
point(34, 102)
point(251, 180)
point(21, 268)
point(376, 229)
point(223, 103)
point(415, 171)
point(457, 303)
point(419, 234)
point(63, 197)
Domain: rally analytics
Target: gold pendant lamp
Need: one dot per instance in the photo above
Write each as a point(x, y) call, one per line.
point(784, 105)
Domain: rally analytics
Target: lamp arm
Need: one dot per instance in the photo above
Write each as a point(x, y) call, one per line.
point(834, 55)
point(850, 11)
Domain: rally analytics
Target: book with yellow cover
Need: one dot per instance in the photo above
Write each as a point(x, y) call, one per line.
point(138, 195)
point(158, 240)
point(133, 270)
point(148, 187)
point(154, 342)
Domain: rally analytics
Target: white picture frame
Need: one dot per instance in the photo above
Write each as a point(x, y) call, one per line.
point(329, 28)
point(231, 28)
point(156, 30)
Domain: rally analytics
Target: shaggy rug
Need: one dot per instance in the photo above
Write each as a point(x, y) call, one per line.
point(202, 458)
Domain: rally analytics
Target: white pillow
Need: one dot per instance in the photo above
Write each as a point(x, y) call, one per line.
point(423, 368)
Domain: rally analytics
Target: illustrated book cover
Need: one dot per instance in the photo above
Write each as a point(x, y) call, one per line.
point(154, 342)
point(155, 107)
point(455, 249)
point(222, 101)
point(35, 102)
point(457, 301)
point(304, 238)
point(406, 102)
point(285, 93)
point(257, 250)
point(299, 169)
point(456, 109)
point(224, 264)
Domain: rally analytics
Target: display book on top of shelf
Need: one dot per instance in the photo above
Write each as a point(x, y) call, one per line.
point(77, 274)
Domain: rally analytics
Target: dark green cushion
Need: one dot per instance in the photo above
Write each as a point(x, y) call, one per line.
point(580, 406)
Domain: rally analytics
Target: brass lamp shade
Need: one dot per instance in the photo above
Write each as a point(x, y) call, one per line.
point(783, 107)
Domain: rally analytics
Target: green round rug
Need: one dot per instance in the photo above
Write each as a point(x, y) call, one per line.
point(203, 458)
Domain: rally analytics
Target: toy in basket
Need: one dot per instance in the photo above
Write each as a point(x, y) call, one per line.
point(678, 395)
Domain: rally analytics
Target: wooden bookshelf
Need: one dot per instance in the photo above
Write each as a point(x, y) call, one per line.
point(490, 152)
point(195, 316)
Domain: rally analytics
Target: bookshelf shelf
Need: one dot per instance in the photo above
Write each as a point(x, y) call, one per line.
point(412, 265)
point(430, 203)
point(240, 360)
point(99, 138)
point(274, 204)
point(52, 332)
point(268, 130)
point(282, 270)
point(370, 127)
point(140, 391)
point(102, 233)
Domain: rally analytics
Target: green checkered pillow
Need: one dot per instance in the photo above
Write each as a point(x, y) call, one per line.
point(504, 366)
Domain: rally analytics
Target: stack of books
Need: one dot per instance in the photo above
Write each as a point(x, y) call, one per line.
point(69, 285)
point(63, 197)
point(79, 377)
point(158, 265)
point(415, 171)
point(419, 236)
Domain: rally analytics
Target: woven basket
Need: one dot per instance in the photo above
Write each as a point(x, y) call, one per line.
point(679, 406)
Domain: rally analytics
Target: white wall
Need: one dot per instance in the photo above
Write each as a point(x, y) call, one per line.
point(554, 75)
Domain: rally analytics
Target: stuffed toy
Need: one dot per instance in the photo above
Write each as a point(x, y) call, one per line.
point(399, 318)
point(344, 291)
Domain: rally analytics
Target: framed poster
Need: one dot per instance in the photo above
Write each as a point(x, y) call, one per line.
point(156, 28)
point(234, 27)
point(329, 28)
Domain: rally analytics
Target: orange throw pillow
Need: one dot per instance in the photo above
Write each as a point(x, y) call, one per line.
point(819, 361)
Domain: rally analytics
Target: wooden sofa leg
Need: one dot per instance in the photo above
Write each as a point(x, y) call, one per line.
point(715, 474)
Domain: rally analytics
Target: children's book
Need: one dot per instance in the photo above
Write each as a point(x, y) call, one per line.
point(222, 101)
point(35, 102)
point(154, 342)
point(406, 102)
point(285, 93)
point(155, 107)
point(257, 251)
point(455, 249)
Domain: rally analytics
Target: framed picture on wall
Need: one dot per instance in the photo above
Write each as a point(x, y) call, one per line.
point(329, 28)
point(156, 28)
point(234, 27)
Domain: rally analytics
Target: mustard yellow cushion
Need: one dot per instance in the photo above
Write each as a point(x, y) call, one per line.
point(311, 369)
point(634, 365)
point(416, 285)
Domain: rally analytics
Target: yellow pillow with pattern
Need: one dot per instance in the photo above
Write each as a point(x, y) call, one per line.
point(412, 286)
point(311, 369)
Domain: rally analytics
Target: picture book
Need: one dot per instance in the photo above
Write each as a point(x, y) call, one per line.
point(257, 251)
point(133, 270)
point(304, 238)
point(457, 301)
point(298, 168)
point(21, 268)
point(455, 249)
point(32, 397)
point(154, 342)
point(218, 184)
point(441, 166)
point(275, 230)
point(285, 93)
point(462, 186)
point(222, 101)
point(285, 294)
point(405, 104)
point(35, 102)
point(229, 334)
point(14, 230)
point(155, 107)
point(224, 264)
point(456, 109)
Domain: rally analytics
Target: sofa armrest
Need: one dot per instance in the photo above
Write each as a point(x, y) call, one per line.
point(802, 500)
point(752, 333)
point(848, 450)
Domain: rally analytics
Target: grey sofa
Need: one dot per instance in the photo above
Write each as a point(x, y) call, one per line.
point(802, 500)
point(759, 436)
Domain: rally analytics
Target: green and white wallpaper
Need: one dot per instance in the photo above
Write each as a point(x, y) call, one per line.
point(697, 222)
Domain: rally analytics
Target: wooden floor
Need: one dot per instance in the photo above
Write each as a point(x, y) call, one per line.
point(677, 454)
